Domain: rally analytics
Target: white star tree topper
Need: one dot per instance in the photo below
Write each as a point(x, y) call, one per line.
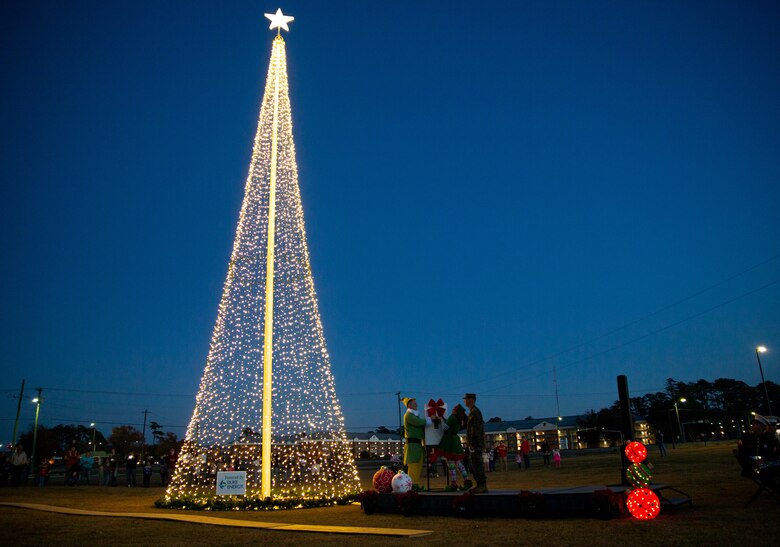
point(279, 20)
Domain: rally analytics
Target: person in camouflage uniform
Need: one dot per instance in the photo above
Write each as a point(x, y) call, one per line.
point(475, 438)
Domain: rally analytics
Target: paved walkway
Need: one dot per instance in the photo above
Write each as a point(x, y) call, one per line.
point(217, 521)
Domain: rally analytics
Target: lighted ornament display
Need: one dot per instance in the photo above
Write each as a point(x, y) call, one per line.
point(383, 480)
point(639, 475)
point(643, 504)
point(267, 401)
point(402, 483)
point(636, 452)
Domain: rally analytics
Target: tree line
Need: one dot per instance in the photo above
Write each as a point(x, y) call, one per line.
point(718, 409)
point(55, 441)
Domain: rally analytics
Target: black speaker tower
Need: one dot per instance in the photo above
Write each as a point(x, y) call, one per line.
point(626, 425)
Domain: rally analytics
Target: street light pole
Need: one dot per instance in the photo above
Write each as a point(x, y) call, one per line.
point(93, 438)
point(37, 402)
point(759, 350)
point(679, 423)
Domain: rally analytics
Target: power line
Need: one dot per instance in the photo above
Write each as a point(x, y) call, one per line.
point(130, 393)
point(68, 420)
point(649, 334)
point(529, 394)
point(648, 316)
point(552, 356)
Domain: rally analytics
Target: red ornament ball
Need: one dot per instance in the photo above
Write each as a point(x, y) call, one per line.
point(643, 504)
point(636, 452)
point(383, 480)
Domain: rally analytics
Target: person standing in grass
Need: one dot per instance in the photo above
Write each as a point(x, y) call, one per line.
point(43, 472)
point(18, 462)
point(85, 464)
point(501, 452)
point(108, 470)
point(72, 465)
point(170, 461)
point(163, 471)
point(131, 462)
point(545, 453)
point(525, 448)
point(659, 440)
point(3, 470)
point(113, 458)
point(148, 472)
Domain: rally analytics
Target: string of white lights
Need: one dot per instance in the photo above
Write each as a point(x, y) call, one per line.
point(311, 457)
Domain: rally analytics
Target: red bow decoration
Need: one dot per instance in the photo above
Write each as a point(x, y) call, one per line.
point(436, 409)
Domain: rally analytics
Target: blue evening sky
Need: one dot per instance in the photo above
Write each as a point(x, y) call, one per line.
point(492, 189)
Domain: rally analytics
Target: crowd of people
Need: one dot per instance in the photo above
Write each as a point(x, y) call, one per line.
point(82, 468)
point(758, 450)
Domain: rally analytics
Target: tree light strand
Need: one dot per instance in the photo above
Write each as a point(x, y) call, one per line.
point(311, 456)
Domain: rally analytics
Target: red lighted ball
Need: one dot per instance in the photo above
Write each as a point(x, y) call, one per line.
point(643, 504)
point(636, 452)
point(383, 480)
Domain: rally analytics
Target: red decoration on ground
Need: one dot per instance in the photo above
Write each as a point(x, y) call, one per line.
point(643, 504)
point(383, 480)
point(636, 452)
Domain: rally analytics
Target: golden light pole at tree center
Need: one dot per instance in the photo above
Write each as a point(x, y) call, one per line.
point(278, 21)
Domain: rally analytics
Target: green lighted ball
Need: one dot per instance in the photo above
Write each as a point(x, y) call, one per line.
point(639, 475)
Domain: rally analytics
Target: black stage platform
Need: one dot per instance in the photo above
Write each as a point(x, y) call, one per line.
point(581, 501)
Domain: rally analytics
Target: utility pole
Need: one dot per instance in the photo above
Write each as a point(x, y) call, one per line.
point(18, 411)
point(400, 420)
point(143, 437)
point(558, 409)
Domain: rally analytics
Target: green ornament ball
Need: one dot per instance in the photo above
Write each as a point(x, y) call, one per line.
point(639, 475)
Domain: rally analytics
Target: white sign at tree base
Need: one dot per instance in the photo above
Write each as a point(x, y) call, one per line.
point(231, 483)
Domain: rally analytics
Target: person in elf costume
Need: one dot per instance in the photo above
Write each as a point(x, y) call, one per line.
point(451, 449)
point(414, 429)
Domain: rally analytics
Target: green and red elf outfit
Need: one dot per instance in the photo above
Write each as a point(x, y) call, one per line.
point(450, 447)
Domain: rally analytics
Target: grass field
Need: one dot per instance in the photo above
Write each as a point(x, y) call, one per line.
point(709, 474)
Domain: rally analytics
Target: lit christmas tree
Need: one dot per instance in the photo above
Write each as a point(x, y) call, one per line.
point(267, 402)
